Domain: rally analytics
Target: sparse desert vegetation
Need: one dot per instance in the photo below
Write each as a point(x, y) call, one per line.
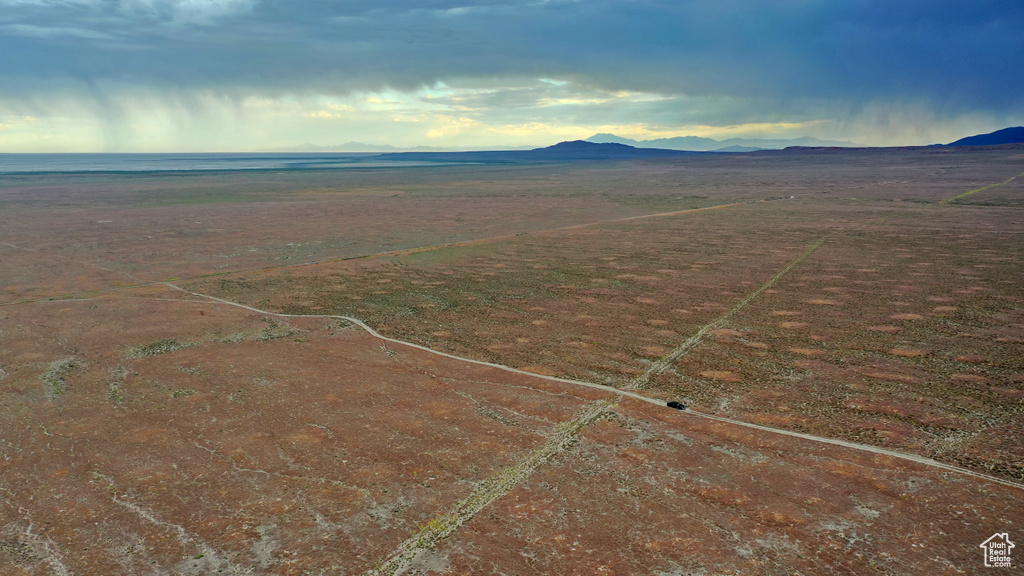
point(162, 413)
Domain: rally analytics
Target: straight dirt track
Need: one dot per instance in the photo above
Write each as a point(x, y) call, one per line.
point(342, 259)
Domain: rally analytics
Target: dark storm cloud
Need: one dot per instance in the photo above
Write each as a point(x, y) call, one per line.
point(956, 55)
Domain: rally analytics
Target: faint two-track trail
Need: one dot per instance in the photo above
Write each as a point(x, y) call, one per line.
point(982, 189)
point(502, 483)
point(82, 262)
point(666, 361)
point(142, 283)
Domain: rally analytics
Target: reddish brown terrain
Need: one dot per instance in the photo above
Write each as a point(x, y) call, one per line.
point(153, 424)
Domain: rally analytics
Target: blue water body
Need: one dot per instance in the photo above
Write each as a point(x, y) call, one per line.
point(36, 163)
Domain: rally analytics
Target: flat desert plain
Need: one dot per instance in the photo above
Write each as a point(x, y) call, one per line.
point(464, 369)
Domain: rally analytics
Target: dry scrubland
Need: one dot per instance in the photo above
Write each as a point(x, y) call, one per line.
point(146, 429)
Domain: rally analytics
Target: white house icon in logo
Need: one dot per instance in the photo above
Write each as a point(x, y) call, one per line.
point(997, 550)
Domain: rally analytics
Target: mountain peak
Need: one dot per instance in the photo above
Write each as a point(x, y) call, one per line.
point(606, 138)
point(1013, 135)
point(580, 145)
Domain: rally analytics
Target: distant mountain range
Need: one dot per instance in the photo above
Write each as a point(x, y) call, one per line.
point(627, 147)
point(1004, 136)
point(581, 149)
point(697, 143)
point(563, 151)
point(686, 143)
point(364, 147)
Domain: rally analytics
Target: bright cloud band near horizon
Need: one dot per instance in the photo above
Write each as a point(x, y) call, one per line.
point(238, 75)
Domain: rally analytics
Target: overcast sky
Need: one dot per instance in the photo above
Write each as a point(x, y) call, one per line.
point(237, 75)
